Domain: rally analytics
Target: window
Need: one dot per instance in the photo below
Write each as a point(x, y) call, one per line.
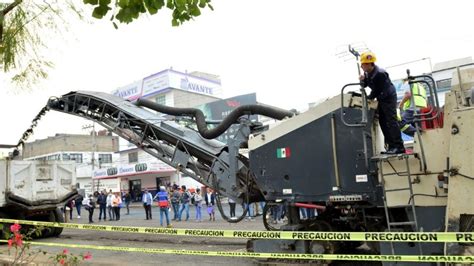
point(105, 158)
point(75, 157)
point(161, 99)
point(444, 84)
point(54, 157)
point(133, 157)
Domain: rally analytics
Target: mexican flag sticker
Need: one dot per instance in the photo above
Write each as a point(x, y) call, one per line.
point(283, 152)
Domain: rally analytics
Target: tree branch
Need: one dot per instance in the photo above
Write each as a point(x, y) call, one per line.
point(5, 11)
point(10, 7)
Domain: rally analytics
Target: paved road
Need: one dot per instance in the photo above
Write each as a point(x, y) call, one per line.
point(137, 218)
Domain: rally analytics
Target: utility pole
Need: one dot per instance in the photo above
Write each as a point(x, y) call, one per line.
point(94, 149)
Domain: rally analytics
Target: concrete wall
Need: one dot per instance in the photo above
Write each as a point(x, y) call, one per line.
point(189, 99)
point(67, 142)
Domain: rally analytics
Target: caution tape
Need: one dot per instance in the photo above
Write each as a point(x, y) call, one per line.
point(350, 257)
point(459, 237)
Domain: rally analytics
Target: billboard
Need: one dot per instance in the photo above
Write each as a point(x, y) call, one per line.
point(129, 92)
point(132, 169)
point(155, 83)
point(169, 79)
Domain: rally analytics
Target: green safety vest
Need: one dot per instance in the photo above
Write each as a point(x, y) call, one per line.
point(418, 93)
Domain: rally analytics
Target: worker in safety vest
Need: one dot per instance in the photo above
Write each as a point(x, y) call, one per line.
point(413, 100)
point(382, 88)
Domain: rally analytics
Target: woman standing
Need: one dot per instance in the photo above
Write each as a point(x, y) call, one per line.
point(210, 201)
point(116, 202)
point(198, 204)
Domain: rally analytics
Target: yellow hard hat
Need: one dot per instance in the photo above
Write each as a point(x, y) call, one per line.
point(367, 57)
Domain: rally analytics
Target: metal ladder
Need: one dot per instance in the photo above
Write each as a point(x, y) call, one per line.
point(411, 204)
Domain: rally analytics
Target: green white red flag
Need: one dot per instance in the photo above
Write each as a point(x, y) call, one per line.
point(283, 152)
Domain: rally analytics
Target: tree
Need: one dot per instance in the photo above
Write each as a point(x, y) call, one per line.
point(125, 11)
point(26, 26)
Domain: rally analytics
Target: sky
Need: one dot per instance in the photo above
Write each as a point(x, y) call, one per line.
point(285, 51)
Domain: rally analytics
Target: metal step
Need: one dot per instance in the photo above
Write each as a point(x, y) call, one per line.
point(402, 223)
point(402, 206)
point(397, 189)
point(401, 174)
point(385, 157)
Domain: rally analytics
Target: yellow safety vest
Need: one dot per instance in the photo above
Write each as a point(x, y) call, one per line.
point(418, 93)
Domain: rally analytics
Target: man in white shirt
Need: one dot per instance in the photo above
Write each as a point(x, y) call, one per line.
point(110, 198)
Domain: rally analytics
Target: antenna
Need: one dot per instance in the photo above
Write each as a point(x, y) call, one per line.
point(349, 52)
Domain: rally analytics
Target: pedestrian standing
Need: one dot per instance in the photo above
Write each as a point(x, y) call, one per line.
point(116, 205)
point(110, 198)
point(163, 203)
point(198, 204)
point(147, 200)
point(69, 207)
point(102, 201)
point(232, 207)
point(184, 200)
point(249, 209)
point(175, 196)
point(277, 213)
point(175, 186)
point(303, 213)
point(256, 208)
point(210, 202)
point(78, 203)
point(262, 207)
point(89, 205)
point(128, 199)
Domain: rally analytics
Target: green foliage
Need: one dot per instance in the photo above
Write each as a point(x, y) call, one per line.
point(27, 28)
point(126, 11)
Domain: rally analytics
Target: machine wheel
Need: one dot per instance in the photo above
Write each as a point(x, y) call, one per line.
point(329, 247)
point(46, 231)
point(268, 221)
point(374, 245)
point(59, 218)
point(4, 228)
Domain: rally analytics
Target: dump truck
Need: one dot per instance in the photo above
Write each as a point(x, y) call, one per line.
point(36, 190)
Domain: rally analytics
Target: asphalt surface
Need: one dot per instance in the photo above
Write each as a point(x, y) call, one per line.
point(137, 218)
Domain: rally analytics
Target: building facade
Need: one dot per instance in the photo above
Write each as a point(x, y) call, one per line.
point(136, 170)
point(90, 152)
point(443, 74)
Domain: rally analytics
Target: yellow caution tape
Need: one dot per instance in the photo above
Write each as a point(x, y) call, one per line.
point(460, 237)
point(406, 258)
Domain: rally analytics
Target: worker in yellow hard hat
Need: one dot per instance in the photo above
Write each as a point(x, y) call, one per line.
point(382, 88)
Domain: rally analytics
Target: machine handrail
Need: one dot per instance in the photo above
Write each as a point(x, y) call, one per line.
point(433, 93)
point(363, 122)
